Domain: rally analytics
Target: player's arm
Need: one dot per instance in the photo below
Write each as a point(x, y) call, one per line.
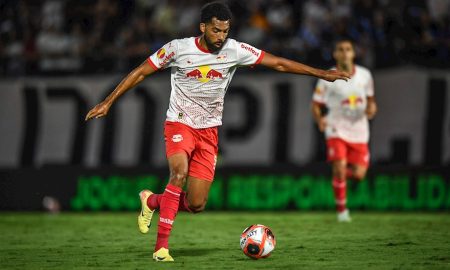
point(319, 117)
point(371, 108)
point(130, 81)
point(285, 65)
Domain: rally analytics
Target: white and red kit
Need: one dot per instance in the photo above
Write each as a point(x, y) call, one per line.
point(347, 129)
point(199, 81)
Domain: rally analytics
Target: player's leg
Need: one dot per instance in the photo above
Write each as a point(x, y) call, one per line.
point(170, 200)
point(197, 194)
point(356, 172)
point(337, 155)
point(201, 171)
point(340, 184)
point(179, 140)
point(358, 160)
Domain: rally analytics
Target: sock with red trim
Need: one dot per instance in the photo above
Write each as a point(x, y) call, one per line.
point(168, 211)
point(340, 193)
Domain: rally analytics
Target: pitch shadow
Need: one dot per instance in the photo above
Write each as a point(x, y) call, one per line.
point(195, 251)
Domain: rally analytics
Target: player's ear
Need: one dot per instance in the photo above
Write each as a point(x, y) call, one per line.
point(202, 27)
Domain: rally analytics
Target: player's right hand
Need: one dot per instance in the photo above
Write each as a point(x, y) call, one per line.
point(332, 75)
point(322, 124)
point(98, 111)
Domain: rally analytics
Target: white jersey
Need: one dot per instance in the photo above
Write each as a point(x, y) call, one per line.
point(199, 78)
point(346, 103)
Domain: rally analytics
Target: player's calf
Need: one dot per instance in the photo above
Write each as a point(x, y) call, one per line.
point(340, 185)
point(178, 176)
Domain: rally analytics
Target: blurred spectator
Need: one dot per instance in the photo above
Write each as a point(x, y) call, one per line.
point(85, 36)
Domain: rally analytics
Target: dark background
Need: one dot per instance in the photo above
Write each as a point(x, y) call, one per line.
point(60, 58)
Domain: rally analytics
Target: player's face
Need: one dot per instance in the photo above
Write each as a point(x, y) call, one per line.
point(215, 33)
point(344, 54)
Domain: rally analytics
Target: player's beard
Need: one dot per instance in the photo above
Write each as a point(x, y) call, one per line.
point(211, 46)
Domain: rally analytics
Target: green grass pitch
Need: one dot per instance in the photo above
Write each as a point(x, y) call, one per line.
point(211, 241)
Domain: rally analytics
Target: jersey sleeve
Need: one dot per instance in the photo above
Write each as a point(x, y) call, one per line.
point(248, 55)
point(370, 89)
point(164, 57)
point(319, 95)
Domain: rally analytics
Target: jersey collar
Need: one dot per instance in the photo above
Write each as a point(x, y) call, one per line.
point(197, 43)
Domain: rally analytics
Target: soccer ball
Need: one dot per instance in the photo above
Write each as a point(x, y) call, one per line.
point(257, 241)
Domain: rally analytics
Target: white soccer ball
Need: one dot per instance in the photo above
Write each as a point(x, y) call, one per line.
point(257, 241)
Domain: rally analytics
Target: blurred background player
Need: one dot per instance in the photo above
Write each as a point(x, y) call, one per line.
point(202, 68)
point(350, 104)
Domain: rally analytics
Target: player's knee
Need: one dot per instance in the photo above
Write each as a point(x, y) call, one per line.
point(339, 172)
point(339, 169)
point(197, 206)
point(359, 175)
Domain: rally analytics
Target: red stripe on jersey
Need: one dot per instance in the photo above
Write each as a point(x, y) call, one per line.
point(197, 43)
point(150, 62)
point(260, 58)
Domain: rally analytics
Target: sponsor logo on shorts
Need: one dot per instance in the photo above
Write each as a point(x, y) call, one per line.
point(166, 220)
point(177, 138)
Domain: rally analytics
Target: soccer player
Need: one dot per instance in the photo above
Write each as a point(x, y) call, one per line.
point(201, 71)
point(350, 105)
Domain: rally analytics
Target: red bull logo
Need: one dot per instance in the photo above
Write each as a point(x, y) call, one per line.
point(213, 74)
point(194, 74)
point(352, 101)
point(204, 74)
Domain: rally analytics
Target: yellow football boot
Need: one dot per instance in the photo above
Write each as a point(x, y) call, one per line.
point(145, 217)
point(162, 255)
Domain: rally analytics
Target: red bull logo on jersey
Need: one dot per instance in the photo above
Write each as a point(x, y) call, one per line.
point(204, 74)
point(352, 101)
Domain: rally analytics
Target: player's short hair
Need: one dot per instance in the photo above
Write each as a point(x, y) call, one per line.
point(215, 9)
point(342, 40)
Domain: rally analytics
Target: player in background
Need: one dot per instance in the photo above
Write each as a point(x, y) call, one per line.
point(350, 105)
point(201, 70)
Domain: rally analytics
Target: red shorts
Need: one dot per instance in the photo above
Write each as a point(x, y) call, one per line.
point(200, 145)
point(354, 153)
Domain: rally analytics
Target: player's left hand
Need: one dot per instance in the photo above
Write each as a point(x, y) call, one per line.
point(371, 110)
point(332, 75)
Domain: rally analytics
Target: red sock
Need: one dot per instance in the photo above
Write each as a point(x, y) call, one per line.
point(154, 201)
point(184, 206)
point(340, 194)
point(168, 211)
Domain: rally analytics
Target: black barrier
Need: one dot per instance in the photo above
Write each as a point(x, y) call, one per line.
point(233, 189)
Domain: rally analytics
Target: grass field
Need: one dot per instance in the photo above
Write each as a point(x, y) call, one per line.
point(211, 240)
